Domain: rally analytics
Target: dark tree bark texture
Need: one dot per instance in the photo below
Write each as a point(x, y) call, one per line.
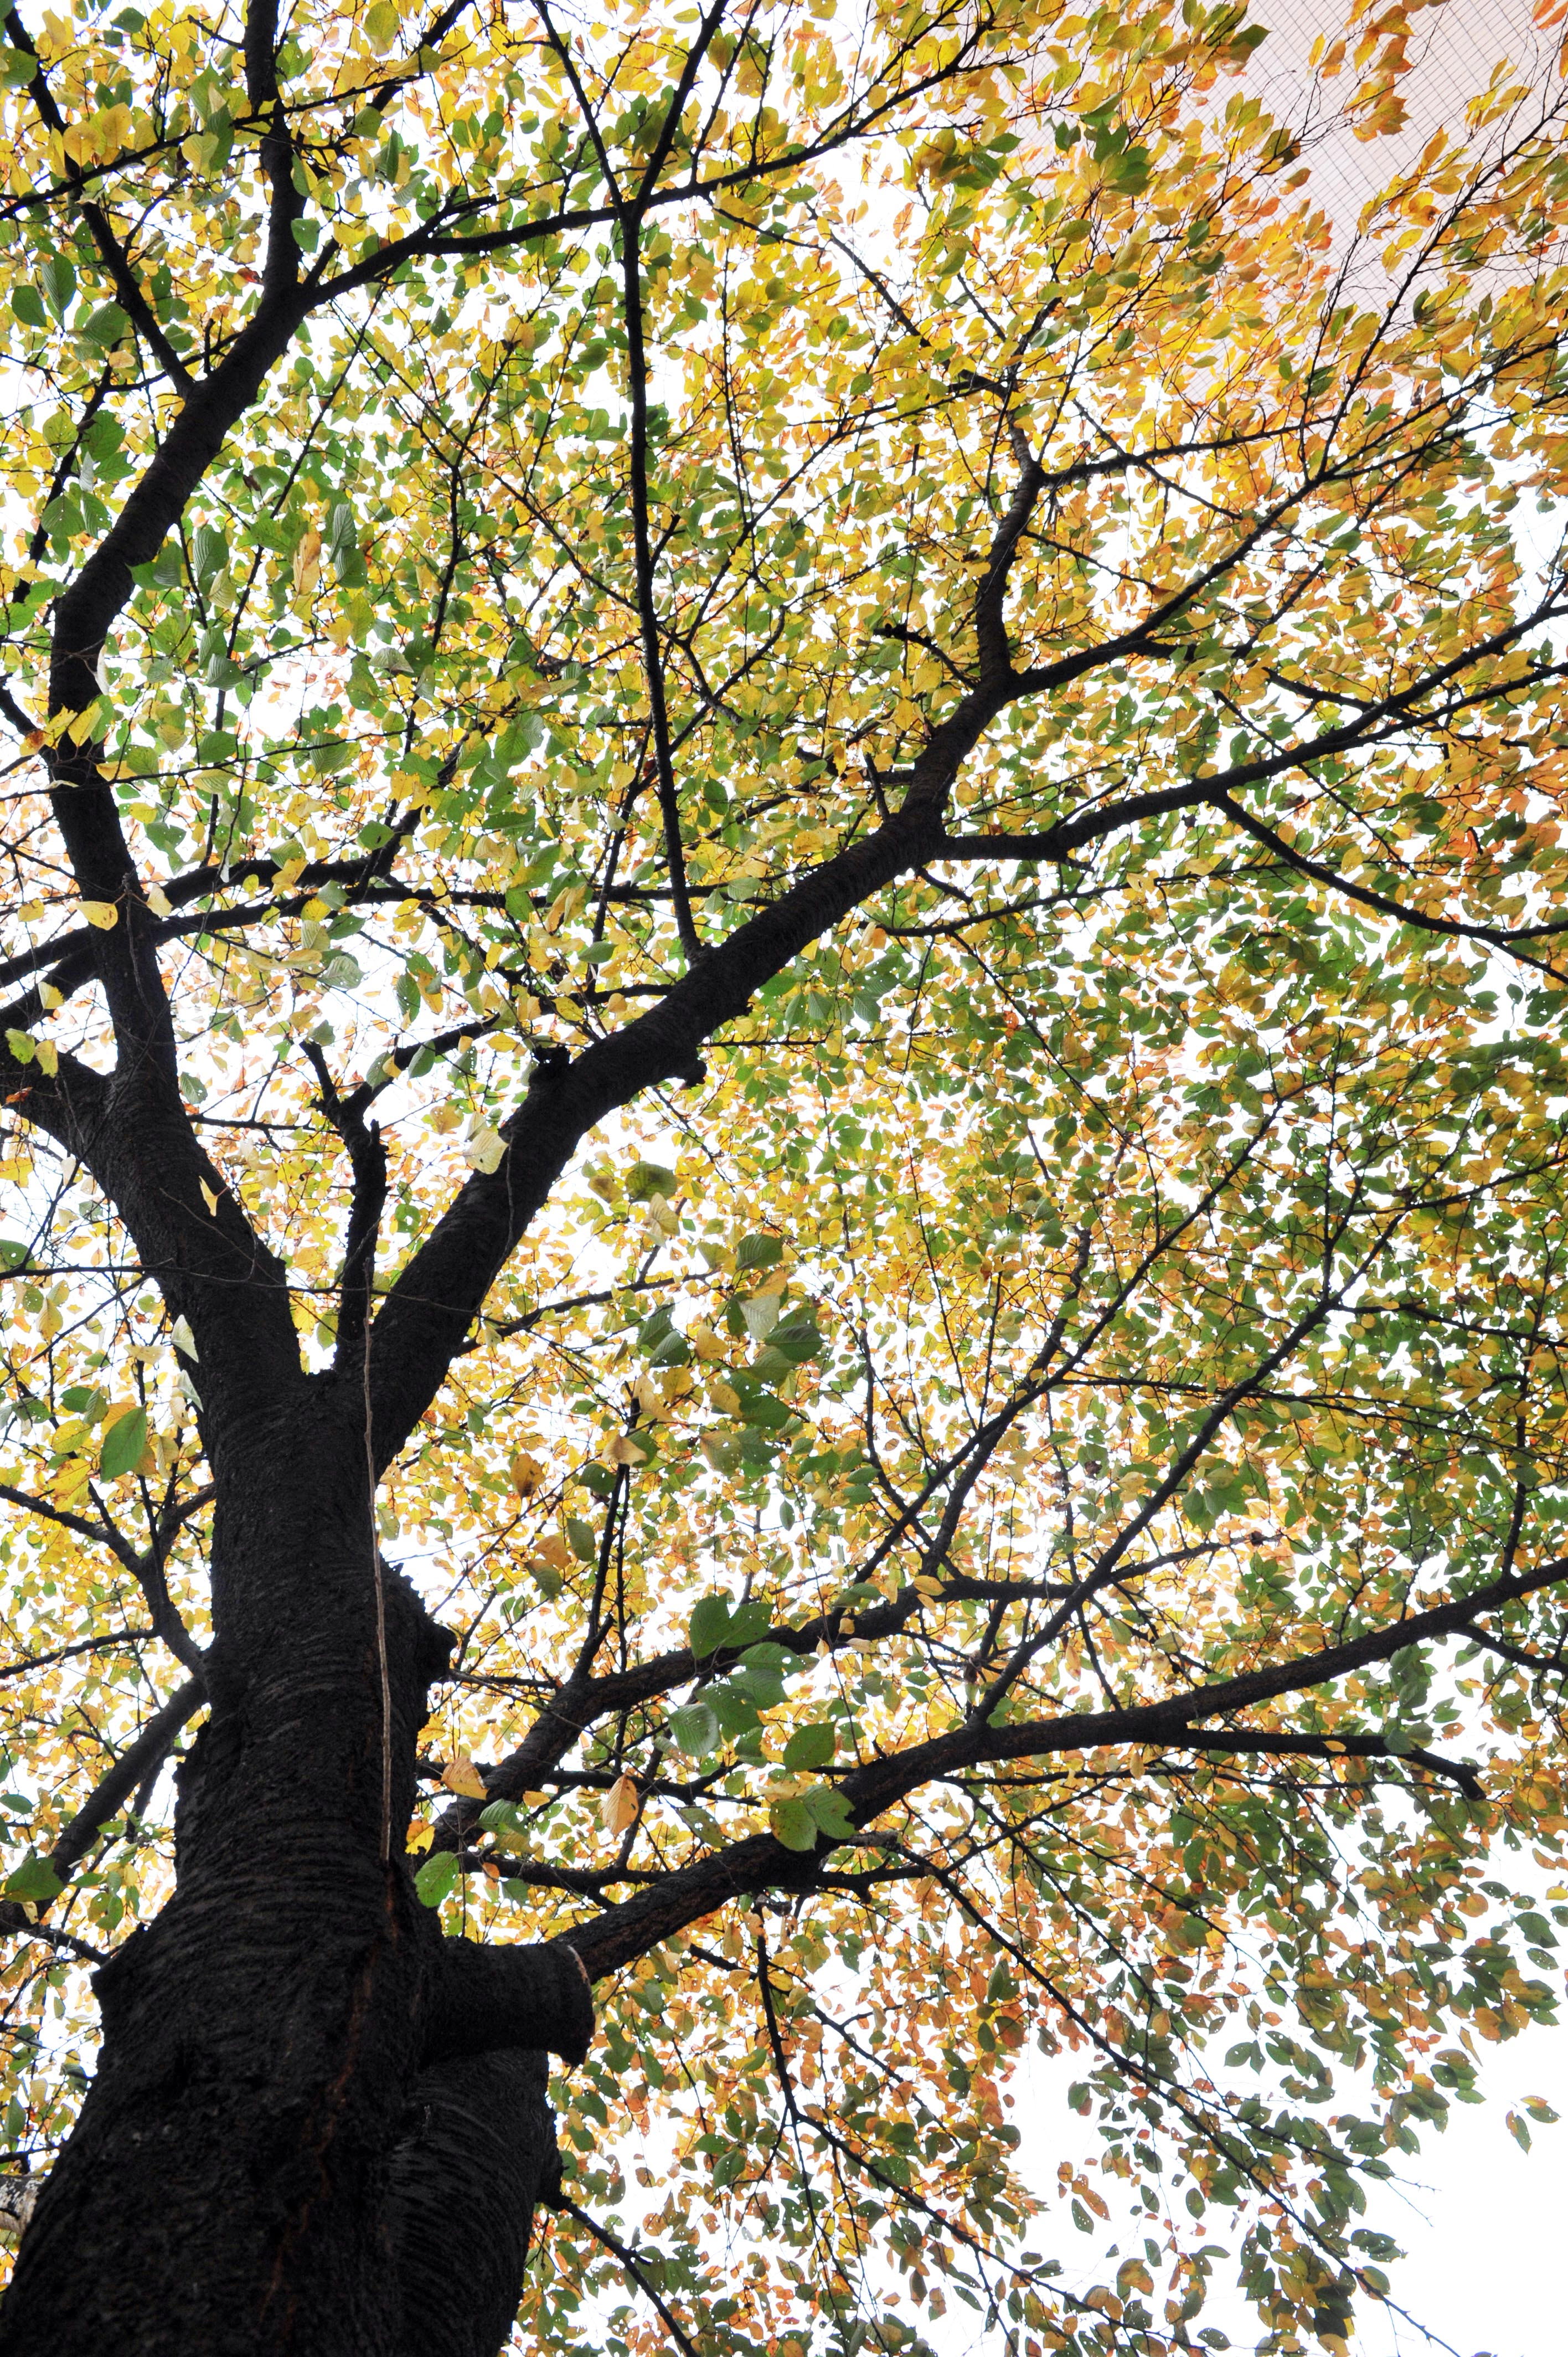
point(293, 2056)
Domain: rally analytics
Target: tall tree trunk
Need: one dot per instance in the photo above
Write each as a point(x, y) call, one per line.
point(303, 2092)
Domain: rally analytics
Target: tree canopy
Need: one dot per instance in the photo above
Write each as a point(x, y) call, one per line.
point(789, 783)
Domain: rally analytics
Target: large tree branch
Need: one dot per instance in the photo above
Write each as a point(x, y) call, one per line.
point(647, 602)
point(425, 1316)
point(280, 272)
point(70, 1104)
point(1373, 723)
point(621, 1934)
point(367, 1160)
point(483, 1998)
point(991, 597)
point(83, 802)
point(427, 1313)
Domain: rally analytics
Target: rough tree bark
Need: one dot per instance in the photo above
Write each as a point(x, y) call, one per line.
point(304, 2093)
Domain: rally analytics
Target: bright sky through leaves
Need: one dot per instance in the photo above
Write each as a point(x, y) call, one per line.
point(888, 602)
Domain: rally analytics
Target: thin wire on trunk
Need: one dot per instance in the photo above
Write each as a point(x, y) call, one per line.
point(376, 1574)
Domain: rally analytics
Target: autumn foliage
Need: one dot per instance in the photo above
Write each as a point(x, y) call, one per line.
point(784, 805)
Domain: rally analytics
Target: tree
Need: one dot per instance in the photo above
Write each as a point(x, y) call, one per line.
point(785, 1164)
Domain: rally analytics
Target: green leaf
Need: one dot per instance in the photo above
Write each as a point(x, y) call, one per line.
point(583, 1539)
point(27, 305)
point(762, 1315)
point(830, 1812)
point(123, 1444)
point(749, 1623)
point(759, 1251)
point(501, 1817)
point(810, 1747)
point(736, 1708)
point(34, 1880)
point(60, 284)
point(796, 1339)
point(645, 1179)
point(438, 1878)
point(208, 551)
point(793, 1823)
point(710, 1626)
point(761, 1674)
point(106, 325)
point(695, 1730)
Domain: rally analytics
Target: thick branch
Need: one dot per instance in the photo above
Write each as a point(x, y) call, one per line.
point(428, 1312)
point(991, 597)
point(621, 1934)
point(483, 1998)
point(128, 293)
point(368, 1158)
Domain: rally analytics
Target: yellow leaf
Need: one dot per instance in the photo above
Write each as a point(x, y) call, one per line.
point(208, 1197)
point(622, 1451)
point(617, 1810)
point(307, 563)
point(48, 1058)
point(101, 913)
point(158, 901)
point(460, 1775)
point(420, 1837)
point(484, 1151)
